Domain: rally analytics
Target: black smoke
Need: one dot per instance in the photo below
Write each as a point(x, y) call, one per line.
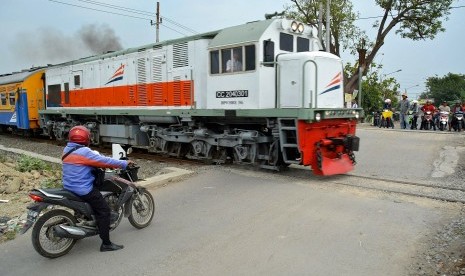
point(52, 46)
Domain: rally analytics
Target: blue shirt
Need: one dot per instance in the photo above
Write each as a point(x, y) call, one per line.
point(78, 167)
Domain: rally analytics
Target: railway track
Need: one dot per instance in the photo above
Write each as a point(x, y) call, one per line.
point(437, 191)
point(428, 190)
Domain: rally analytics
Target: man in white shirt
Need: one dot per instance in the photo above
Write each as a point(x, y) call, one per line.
point(234, 65)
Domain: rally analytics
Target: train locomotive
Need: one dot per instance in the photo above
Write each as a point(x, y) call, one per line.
point(260, 93)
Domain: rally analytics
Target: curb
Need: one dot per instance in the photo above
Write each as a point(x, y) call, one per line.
point(158, 181)
point(32, 154)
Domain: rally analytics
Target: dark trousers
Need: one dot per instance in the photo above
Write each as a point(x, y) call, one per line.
point(102, 213)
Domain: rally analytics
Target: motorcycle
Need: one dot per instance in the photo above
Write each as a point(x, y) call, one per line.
point(60, 218)
point(457, 121)
point(428, 120)
point(443, 120)
point(386, 119)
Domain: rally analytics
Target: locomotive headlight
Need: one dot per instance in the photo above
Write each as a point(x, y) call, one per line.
point(300, 28)
point(357, 115)
point(318, 117)
point(294, 26)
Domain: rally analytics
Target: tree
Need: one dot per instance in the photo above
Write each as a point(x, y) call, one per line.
point(376, 88)
point(342, 26)
point(416, 20)
point(450, 88)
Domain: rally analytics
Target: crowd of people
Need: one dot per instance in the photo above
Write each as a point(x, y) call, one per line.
point(412, 115)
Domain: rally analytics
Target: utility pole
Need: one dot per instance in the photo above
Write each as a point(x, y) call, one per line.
point(320, 23)
point(157, 23)
point(328, 28)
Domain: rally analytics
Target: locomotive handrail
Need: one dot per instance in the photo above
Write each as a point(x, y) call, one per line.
point(316, 85)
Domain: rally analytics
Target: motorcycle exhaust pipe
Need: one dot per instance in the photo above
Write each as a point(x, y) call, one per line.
point(72, 232)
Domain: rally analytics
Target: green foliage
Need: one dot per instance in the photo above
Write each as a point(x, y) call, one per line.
point(343, 29)
point(450, 88)
point(418, 19)
point(376, 88)
point(51, 183)
point(10, 235)
point(413, 19)
point(27, 164)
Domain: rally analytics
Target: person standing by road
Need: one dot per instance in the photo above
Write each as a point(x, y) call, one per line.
point(404, 106)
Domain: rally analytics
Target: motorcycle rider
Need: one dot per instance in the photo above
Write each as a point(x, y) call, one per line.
point(387, 106)
point(427, 107)
point(443, 107)
point(78, 164)
point(414, 108)
point(455, 108)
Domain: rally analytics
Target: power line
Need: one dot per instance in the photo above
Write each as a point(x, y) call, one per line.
point(128, 10)
point(137, 12)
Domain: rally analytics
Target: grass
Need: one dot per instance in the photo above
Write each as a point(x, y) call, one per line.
point(27, 164)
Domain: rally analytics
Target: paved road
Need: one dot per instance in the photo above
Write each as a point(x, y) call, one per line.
point(408, 155)
point(235, 222)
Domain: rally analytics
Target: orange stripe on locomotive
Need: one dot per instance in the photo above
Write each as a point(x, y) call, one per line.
point(175, 93)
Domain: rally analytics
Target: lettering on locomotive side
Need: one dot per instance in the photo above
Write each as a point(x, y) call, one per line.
point(232, 94)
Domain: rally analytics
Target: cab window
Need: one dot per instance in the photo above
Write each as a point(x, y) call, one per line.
point(231, 60)
point(286, 42)
point(268, 53)
point(303, 44)
point(249, 57)
point(214, 62)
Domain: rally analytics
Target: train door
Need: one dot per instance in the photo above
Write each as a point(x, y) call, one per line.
point(21, 104)
point(66, 86)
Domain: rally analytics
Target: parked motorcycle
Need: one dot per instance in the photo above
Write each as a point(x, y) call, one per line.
point(443, 120)
point(56, 229)
point(457, 121)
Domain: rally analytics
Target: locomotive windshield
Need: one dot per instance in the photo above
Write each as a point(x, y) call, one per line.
point(286, 43)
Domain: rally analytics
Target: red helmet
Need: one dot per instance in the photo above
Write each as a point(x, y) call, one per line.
point(79, 135)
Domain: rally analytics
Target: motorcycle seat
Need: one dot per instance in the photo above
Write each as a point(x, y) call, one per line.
point(65, 193)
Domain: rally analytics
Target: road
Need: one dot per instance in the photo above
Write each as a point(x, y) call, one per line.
point(229, 221)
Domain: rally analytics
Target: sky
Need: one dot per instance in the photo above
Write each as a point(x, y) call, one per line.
point(40, 32)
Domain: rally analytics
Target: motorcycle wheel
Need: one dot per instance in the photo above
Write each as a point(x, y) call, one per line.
point(459, 126)
point(142, 209)
point(43, 237)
